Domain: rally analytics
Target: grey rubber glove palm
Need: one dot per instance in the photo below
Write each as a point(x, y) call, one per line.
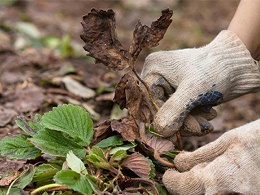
point(229, 164)
point(188, 82)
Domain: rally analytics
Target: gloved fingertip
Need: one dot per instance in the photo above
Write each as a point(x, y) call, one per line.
point(170, 117)
point(205, 126)
point(169, 180)
point(206, 112)
point(188, 183)
point(190, 127)
point(184, 161)
point(209, 115)
point(164, 127)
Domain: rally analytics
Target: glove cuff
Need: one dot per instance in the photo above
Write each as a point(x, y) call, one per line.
point(235, 63)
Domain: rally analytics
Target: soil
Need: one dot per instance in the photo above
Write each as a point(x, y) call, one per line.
point(32, 77)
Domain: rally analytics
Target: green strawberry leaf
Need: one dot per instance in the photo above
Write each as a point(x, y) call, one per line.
point(72, 120)
point(75, 163)
point(30, 127)
point(124, 147)
point(44, 173)
point(119, 155)
point(74, 180)
point(56, 144)
point(26, 177)
point(97, 157)
point(18, 147)
point(110, 141)
point(12, 191)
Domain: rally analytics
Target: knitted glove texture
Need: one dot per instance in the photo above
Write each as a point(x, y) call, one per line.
point(229, 164)
point(188, 82)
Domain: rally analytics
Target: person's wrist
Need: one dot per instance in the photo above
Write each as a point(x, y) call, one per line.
point(251, 43)
point(236, 64)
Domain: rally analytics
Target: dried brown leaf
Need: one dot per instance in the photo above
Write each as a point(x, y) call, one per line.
point(126, 127)
point(158, 144)
point(22, 99)
point(105, 97)
point(6, 116)
point(145, 36)
point(120, 94)
point(101, 129)
point(129, 94)
point(9, 170)
point(77, 88)
point(101, 41)
point(138, 164)
point(8, 179)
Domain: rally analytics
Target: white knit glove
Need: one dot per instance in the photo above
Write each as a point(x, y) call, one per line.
point(229, 164)
point(200, 77)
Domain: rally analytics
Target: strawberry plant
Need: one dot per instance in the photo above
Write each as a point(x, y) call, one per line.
point(61, 151)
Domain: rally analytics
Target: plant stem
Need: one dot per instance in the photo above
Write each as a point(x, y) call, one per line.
point(180, 146)
point(161, 160)
point(46, 187)
point(150, 182)
point(114, 170)
point(147, 89)
point(132, 65)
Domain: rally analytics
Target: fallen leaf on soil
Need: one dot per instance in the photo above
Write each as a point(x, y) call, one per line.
point(5, 40)
point(22, 100)
point(128, 94)
point(90, 108)
point(145, 36)
point(7, 165)
point(105, 97)
point(126, 127)
point(6, 49)
point(7, 180)
point(29, 56)
point(6, 116)
point(77, 88)
point(33, 56)
point(96, 76)
point(138, 164)
point(101, 41)
point(9, 77)
point(9, 170)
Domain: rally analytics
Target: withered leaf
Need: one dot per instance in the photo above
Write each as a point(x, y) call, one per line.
point(101, 129)
point(128, 94)
point(101, 41)
point(6, 116)
point(126, 127)
point(22, 99)
point(77, 88)
point(9, 170)
point(158, 144)
point(120, 94)
point(138, 164)
point(145, 36)
point(8, 179)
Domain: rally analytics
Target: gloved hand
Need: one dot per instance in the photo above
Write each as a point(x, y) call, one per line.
point(229, 164)
point(198, 78)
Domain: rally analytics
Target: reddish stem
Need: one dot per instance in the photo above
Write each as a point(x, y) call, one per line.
point(161, 160)
point(179, 140)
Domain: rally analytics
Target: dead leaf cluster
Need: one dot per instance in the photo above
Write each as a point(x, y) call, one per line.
point(132, 93)
point(99, 35)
